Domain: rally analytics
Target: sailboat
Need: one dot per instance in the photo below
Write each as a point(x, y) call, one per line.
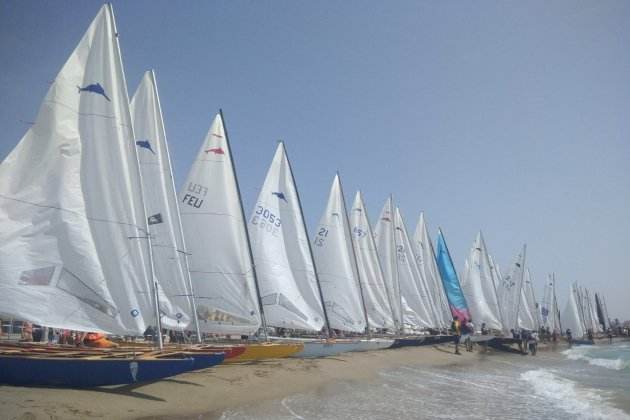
point(479, 287)
point(425, 257)
point(74, 243)
point(452, 287)
point(375, 294)
point(221, 265)
point(573, 316)
point(510, 292)
point(337, 271)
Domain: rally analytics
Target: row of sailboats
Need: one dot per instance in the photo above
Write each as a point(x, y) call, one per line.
point(95, 237)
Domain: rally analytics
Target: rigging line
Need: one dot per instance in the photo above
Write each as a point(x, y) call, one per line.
point(86, 114)
point(76, 213)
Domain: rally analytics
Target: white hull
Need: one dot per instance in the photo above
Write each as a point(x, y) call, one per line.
point(323, 348)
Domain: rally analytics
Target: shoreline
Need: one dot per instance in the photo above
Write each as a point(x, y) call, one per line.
point(210, 392)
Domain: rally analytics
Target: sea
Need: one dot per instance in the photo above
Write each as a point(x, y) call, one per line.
point(584, 382)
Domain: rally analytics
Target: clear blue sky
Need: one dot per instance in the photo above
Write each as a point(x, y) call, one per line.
point(510, 117)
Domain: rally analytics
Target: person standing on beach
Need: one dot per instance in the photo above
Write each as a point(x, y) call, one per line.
point(456, 327)
point(569, 337)
point(470, 330)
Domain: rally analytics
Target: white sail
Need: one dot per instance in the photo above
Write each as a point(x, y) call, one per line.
point(509, 292)
point(284, 264)
point(221, 266)
point(386, 247)
point(571, 317)
point(412, 290)
point(479, 287)
point(161, 205)
point(526, 314)
point(425, 257)
point(73, 235)
point(370, 271)
point(336, 266)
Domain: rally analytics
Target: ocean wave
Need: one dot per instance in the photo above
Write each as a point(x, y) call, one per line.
point(583, 403)
point(586, 353)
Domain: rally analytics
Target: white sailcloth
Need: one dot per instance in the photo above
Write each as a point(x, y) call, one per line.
point(425, 257)
point(284, 264)
point(510, 292)
point(370, 272)
point(412, 290)
point(221, 267)
point(479, 287)
point(526, 314)
point(336, 266)
point(571, 317)
point(73, 235)
point(386, 247)
point(161, 205)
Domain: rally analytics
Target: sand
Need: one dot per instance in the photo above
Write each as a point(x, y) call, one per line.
point(211, 391)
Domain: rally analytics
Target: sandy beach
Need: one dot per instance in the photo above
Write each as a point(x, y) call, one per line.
point(210, 392)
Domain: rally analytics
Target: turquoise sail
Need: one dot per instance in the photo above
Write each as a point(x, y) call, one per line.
point(454, 294)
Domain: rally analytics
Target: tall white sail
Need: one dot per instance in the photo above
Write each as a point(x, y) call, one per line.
point(479, 287)
point(412, 287)
point(336, 265)
point(571, 317)
point(526, 313)
point(284, 264)
point(370, 271)
point(73, 237)
point(161, 205)
point(425, 257)
point(221, 266)
point(386, 247)
point(509, 292)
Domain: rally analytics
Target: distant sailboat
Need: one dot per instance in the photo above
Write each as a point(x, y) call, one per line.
point(336, 266)
point(571, 316)
point(385, 239)
point(479, 287)
point(510, 292)
point(425, 256)
point(280, 245)
point(176, 303)
point(370, 271)
point(221, 265)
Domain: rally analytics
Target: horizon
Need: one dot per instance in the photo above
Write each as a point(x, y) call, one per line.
point(507, 119)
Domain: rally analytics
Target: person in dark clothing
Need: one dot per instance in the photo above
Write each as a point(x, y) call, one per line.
point(569, 337)
point(456, 328)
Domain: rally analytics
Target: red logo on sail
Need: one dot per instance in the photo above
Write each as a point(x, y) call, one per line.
point(216, 151)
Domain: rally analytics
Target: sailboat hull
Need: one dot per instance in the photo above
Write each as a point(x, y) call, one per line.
point(264, 351)
point(427, 340)
point(23, 370)
point(323, 348)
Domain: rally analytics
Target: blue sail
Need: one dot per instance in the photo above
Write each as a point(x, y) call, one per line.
point(454, 293)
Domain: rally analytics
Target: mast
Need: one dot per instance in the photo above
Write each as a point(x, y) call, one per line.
point(401, 326)
point(249, 244)
point(193, 305)
point(354, 258)
point(520, 289)
point(555, 302)
point(310, 249)
point(153, 280)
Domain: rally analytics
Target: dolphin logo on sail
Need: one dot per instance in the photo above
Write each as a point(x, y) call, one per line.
point(217, 135)
point(215, 150)
point(145, 145)
point(94, 88)
point(280, 195)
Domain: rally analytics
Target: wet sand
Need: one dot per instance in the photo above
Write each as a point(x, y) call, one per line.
point(211, 391)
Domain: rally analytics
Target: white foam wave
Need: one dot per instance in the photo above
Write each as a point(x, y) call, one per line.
point(583, 403)
point(615, 364)
point(584, 353)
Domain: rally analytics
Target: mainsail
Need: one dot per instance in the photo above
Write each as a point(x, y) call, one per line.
point(425, 257)
point(281, 249)
point(414, 293)
point(370, 273)
point(571, 316)
point(479, 287)
point(510, 294)
point(527, 311)
point(336, 265)
point(454, 293)
point(73, 236)
point(386, 246)
point(161, 204)
point(221, 266)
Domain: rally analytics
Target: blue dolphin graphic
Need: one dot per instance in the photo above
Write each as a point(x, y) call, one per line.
point(94, 88)
point(280, 195)
point(145, 144)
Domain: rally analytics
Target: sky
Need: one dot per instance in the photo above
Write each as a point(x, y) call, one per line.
point(508, 117)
